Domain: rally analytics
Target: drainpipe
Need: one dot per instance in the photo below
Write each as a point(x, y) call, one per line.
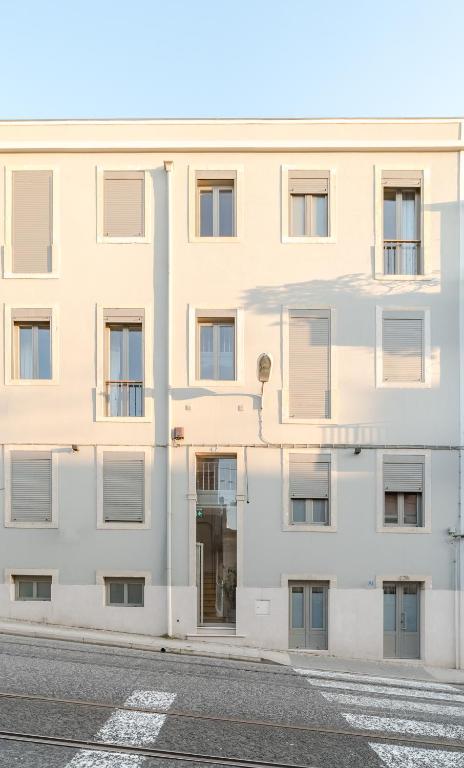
point(168, 165)
point(460, 536)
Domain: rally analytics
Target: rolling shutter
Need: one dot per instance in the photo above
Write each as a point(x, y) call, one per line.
point(31, 486)
point(123, 487)
point(403, 474)
point(124, 204)
point(400, 179)
point(309, 364)
point(32, 221)
point(308, 182)
point(403, 347)
point(309, 476)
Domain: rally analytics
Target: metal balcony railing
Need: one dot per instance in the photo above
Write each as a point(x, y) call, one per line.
point(402, 257)
point(124, 398)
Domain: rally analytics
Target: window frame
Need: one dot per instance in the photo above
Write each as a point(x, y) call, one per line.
point(215, 188)
point(12, 349)
point(101, 523)
point(210, 313)
point(148, 207)
point(105, 576)
point(403, 312)
point(34, 580)
point(322, 455)
point(216, 324)
point(426, 527)
point(285, 206)
point(125, 582)
point(11, 573)
point(8, 247)
point(236, 175)
point(7, 451)
point(400, 507)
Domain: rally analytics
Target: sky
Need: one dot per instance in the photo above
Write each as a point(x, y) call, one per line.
point(231, 58)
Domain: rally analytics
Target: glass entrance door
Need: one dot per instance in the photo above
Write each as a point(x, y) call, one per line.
point(401, 620)
point(216, 539)
point(308, 615)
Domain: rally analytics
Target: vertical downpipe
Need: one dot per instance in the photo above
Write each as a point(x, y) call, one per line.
point(168, 165)
point(458, 544)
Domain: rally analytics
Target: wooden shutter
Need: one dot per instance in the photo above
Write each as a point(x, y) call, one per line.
point(123, 487)
point(309, 476)
point(400, 179)
point(309, 364)
point(308, 182)
point(31, 486)
point(32, 221)
point(124, 204)
point(403, 347)
point(403, 474)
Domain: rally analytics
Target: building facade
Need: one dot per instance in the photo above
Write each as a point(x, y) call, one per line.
point(231, 402)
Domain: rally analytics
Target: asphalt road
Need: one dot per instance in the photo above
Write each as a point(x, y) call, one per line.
point(202, 708)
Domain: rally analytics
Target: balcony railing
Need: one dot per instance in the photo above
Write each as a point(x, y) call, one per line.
point(124, 398)
point(402, 257)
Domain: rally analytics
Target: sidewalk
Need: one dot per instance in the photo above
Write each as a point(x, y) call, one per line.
point(223, 650)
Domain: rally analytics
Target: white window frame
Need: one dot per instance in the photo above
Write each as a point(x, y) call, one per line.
point(8, 247)
point(100, 397)
point(9, 345)
point(287, 525)
point(8, 522)
point(148, 474)
point(426, 494)
point(11, 573)
point(285, 325)
point(100, 580)
point(148, 199)
point(427, 383)
point(236, 314)
point(425, 223)
point(286, 237)
point(193, 234)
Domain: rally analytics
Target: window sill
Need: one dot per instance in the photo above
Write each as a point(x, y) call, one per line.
point(101, 526)
point(31, 275)
point(405, 278)
point(216, 384)
point(403, 529)
point(213, 240)
point(316, 422)
point(308, 528)
point(17, 524)
point(404, 385)
point(31, 382)
point(289, 240)
point(125, 419)
point(123, 240)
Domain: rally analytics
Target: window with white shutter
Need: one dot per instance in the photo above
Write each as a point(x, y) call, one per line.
point(403, 481)
point(123, 487)
point(309, 364)
point(31, 224)
point(403, 347)
point(309, 484)
point(31, 486)
point(308, 203)
point(124, 204)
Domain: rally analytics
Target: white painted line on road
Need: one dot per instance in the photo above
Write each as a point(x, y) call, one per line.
point(387, 690)
point(135, 729)
point(395, 725)
point(393, 681)
point(348, 699)
point(410, 757)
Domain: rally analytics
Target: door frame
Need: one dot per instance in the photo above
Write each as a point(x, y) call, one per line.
point(331, 581)
point(425, 581)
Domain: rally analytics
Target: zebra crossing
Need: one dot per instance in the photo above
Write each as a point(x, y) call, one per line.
point(409, 708)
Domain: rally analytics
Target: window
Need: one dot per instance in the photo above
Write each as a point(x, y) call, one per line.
point(403, 478)
point(403, 347)
point(309, 364)
point(124, 592)
point(31, 221)
point(123, 487)
point(32, 349)
point(31, 487)
point(216, 204)
point(308, 201)
point(33, 587)
point(124, 204)
point(402, 222)
point(309, 489)
point(216, 349)
point(124, 363)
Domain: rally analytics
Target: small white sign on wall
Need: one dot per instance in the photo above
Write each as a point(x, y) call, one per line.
point(262, 607)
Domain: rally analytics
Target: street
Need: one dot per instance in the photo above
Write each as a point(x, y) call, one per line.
point(63, 705)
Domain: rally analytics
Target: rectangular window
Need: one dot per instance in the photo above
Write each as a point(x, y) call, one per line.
point(216, 204)
point(403, 478)
point(309, 364)
point(125, 592)
point(216, 349)
point(31, 486)
point(124, 204)
point(33, 587)
point(32, 225)
point(402, 222)
point(309, 489)
point(123, 487)
point(32, 349)
point(403, 347)
point(124, 363)
point(308, 203)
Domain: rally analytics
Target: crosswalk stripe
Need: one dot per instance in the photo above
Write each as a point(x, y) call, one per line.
point(348, 699)
point(396, 725)
point(129, 728)
point(388, 690)
point(410, 757)
point(393, 681)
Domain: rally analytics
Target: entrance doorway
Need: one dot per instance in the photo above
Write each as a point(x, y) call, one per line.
point(308, 615)
point(216, 539)
point(401, 620)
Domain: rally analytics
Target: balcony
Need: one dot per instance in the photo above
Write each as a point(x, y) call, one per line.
point(402, 257)
point(124, 398)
